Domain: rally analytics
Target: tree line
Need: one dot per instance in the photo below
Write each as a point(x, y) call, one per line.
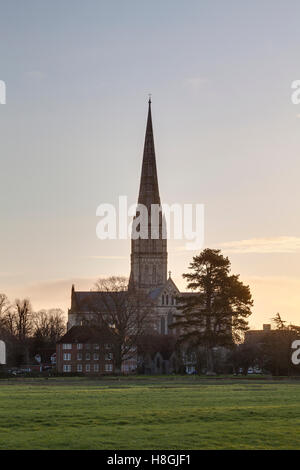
point(271, 352)
point(27, 332)
point(215, 318)
point(211, 320)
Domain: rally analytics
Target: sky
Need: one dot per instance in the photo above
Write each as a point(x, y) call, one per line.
point(226, 132)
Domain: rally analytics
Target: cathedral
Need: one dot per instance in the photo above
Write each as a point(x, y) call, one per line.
point(149, 256)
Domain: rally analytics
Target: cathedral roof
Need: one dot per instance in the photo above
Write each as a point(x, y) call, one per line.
point(155, 293)
point(89, 302)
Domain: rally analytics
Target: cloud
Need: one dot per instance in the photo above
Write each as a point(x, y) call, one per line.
point(107, 257)
point(7, 275)
point(284, 244)
point(196, 83)
point(35, 74)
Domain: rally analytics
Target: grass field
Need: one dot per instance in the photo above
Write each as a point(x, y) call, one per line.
point(149, 413)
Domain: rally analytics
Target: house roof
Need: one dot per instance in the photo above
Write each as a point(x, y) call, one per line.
point(84, 334)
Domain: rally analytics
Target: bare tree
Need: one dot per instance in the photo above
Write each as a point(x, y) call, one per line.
point(126, 314)
point(4, 310)
point(19, 322)
point(4, 304)
point(26, 331)
point(49, 325)
point(23, 319)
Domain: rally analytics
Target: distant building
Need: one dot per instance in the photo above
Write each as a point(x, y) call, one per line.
point(89, 350)
point(157, 354)
point(149, 276)
point(149, 270)
point(257, 336)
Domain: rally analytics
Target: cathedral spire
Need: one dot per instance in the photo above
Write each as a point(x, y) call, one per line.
point(149, 192)
point(149, 255)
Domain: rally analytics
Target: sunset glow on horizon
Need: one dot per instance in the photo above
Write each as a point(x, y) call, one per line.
point(225, 129)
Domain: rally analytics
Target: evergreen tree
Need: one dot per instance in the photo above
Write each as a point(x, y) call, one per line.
point(215, 313)
point(279, 323)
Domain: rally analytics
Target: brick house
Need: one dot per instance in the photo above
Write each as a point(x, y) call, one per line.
point(258, 336)
point(89, 350)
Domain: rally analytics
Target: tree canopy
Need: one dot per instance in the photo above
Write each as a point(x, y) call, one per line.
point(215, 312)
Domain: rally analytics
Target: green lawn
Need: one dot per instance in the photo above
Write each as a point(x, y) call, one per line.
point(149, 413)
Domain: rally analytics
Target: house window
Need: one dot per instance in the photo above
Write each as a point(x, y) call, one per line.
point(67, 368)
point(108, 368)
point(87, 367)
point(79, 356)
point(96, 357)
point(96, 346)
point(96, 367)
point(67, 356)
point(108, 346)
point(108, 356)
point(87, 357)
point(67, 346)
point(87, 346)
point(163, 300)
point(79, 346)
point(79, 367)
point(167, 299)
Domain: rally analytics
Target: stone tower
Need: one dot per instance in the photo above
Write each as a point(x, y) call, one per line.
point(149, 255)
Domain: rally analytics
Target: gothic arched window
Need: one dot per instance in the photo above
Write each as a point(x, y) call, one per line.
point(154, 275)
point(162, 326)
point(170, 318)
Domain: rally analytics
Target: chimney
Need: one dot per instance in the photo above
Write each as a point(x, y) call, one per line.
point(267, 327)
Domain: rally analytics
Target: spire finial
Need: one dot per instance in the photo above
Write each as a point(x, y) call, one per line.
point(170, 272)
point(150, 96)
